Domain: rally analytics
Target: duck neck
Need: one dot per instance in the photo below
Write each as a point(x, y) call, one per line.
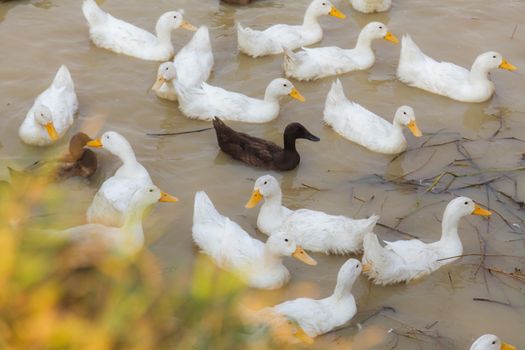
point(398, 127)
point(271, 259)
point(311, 19)
point(449, 227)
point(478, 73)
point(272, 204)
point(133, 224)
point(364, 42)
point(289, 142)
point(163, 33)
point(270, 96)
point(76, 151)
point(128, 158)
point(343, 290)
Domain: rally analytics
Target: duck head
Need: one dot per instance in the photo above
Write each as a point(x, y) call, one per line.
point(298, 131)
point(173, 20)
point(405, 116)
point(463, 206)
point(492, 60)
point(324, 7)
point(165, 73)
point(490, 342)
point(280, 244)
point(377, 30)
point(282, 87)
point(44, 117)
point(77, 144)
point(265, 187)
point(346, 277)
point(114, 142)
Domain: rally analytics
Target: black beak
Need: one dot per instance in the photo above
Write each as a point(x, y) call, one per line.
point(311, 137)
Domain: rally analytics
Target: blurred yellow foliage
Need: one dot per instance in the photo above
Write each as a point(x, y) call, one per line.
point(57, 295)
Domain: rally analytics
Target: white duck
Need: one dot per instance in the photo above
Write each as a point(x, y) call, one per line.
point(192, 66)
point(127, 239)
point(370, 6)
point(274, 39)
point(232, 248)
point(447, 79)
point(318, 317)
point(208, 102)
point(490, 342)
point(316, 63)
point(52, 113)
point(365, 128)
point(112, 201)
point(313, 230)
point(406, 260)
point(118, 36)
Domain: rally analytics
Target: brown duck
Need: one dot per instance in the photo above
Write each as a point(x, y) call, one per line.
point(79, 161)
point(262, 153)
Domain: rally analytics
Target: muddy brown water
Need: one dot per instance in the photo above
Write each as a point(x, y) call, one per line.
point(38, 36)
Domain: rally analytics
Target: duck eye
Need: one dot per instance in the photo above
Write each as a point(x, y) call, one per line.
point(380, 27)
point(405, 113)
point(285, 85)
point(357, 266)
point(175, 17)
point(266, 182)
point(494, 56)
point(324, 3)
point(286, 239)
point(494, 342)
point(466, 203)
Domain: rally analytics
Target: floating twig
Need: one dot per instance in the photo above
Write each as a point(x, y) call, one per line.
point(178, 133)
point(492, 301)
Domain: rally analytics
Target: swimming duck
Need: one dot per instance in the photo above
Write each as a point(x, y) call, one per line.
point(447, 79)
point(232, 248)
point(490, 342)
point(365, 128)
point(318, 317)
point(122, 37)
point(79, 162)
point(316, 63)
point(370, 6)
point(406, 260)
point(274, 39)
point(192, 66)
point(262, 153)
point(112, 201)
point(127, 239)
point(208, 102)
point(52, 113)
point(313, 230)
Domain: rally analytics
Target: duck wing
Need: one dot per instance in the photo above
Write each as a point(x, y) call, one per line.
point(248, 149)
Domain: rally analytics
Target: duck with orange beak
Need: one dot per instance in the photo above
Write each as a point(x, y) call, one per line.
point(128, 239)
point(407, 260)
point(275, 39)
point(448, 79)
point(491, 342)
point(315, 63)
point(208, 102)
point(359, 125)
point(320, 316)
point(53, 112)
point(232, 248)
point(112, 201)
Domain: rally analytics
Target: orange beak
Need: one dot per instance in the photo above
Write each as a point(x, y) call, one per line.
point(167, 198)
point(480, 211)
